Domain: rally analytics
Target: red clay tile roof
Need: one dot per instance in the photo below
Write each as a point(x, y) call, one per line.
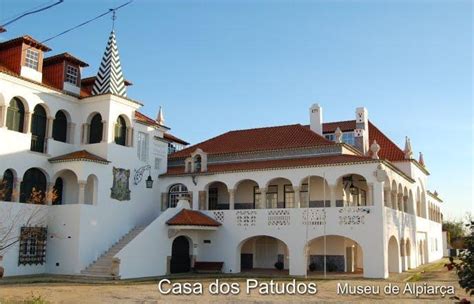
point(388, 149)
point(278, 163)
point(188, 217)
point(27, 40)
point(82, 155)
point(65, 56)
point(260, 139)
point(145, 119)
point(175, 139)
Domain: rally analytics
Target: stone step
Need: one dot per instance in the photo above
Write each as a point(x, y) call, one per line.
point(102, 266)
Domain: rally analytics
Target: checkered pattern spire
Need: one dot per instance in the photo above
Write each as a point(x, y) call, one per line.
point(110, 78)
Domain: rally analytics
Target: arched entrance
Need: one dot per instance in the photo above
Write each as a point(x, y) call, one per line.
point(393, 255)
point(263, 253)
point(180, 255)
point(38, 129)
point(334, 253)
point(33, 187)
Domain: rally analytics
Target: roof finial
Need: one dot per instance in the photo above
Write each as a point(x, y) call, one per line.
point(338, 135)
point(421, 160)
point(160, 119)
point(113, 19)
point(375, 148)
point(408, 151)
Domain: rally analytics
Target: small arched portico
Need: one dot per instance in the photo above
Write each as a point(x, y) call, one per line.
point(263, 252)
point(335, 253)
point(33, 187)
point(66, 188)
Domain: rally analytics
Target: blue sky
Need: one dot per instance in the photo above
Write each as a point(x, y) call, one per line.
point(221, 65)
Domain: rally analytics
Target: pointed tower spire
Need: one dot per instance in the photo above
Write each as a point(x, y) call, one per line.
point(421, 160)
point(408, 151)
point(160, 119)
point(110, 78)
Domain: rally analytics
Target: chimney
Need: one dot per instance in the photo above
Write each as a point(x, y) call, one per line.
point(316, 119)
point(361, 132)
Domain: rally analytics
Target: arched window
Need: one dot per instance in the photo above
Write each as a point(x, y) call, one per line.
point(174, 194)
point(58, 188)
point(7, 186)
point(38, 129)
point(33, 187)
point(60, 127)
point(121, 131)
point(15, 115)
point(197, 163)
point(95, 133)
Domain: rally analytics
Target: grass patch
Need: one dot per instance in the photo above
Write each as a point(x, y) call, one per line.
point(31, 300)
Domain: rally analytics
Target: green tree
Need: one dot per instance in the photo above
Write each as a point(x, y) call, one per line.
point(455, 228)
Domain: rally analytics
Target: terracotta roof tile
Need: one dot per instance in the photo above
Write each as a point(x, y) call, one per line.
point(65, 57)
point(188, 217)
point(82, 155)
point(277, 163)
point(388, 149)
point(145, 119)
point(260, 139)
point(175, 139)
point(27, 40)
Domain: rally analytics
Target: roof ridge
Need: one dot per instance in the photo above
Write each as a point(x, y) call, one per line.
point(388, 138)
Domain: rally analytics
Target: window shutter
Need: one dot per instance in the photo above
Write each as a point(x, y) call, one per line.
point(164, 201)
point(202, 200)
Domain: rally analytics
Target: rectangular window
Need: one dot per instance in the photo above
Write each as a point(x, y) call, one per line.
point(330, 136)
point(272, 197)
point(32, 59)
point(32, 246)
point(142, 146)
point(348, 138)
point(289, 196)
point(72, 74)
point(157, 163)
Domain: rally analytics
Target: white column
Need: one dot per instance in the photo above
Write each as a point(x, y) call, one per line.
point(82, 192)
point(16, 190)
point(296, 190)
point(49, 193)
point(49, 127)
point(85, 133)
point(71, 127)
point(129, 142)
point(3, 116)
point(370, 197)
point(195, 199)
point(298, 260)
point(263, 199)
point(27, 123)
point(376, 262)
point(332, 195)
point(105, 131)
point(231, 199)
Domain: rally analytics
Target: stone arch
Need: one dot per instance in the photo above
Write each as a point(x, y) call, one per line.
point(175, 192)
point(314, 191)
point(96, 128)
point(121, 127)
point(246, 196)
point(218, 197)
point(35, 181)
point(277, 191)
point(393, 255)
point(262, 251)
point(335, 253)
point(354, 189)
point(66, 186)
point(61, 121)
point(408, 253)
point(39, 128)
point(91, 190)
point(9, 179)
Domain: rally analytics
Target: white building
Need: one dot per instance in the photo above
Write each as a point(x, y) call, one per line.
point(339, 192)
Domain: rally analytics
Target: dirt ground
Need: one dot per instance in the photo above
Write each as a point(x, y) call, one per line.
point(71, 290)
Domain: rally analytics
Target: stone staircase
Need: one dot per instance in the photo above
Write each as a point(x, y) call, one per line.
point(103, 266)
